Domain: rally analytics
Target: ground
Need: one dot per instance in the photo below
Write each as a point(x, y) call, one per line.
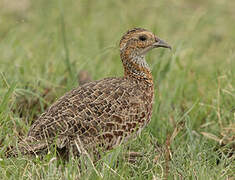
point(45, 44)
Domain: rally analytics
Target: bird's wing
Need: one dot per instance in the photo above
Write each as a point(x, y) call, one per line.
point(100, 109)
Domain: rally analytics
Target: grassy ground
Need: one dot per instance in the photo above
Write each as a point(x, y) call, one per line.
point(44, 44)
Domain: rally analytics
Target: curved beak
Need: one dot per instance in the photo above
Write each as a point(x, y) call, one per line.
point(161, 43)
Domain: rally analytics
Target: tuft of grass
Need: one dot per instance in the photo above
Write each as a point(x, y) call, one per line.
point(45, 44)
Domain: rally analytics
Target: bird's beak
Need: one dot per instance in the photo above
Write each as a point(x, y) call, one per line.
point(158, 43)
point(161, 43)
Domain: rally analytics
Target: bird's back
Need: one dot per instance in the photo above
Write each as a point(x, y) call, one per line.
point(100, 113)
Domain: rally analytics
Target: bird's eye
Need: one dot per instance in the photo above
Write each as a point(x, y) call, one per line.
point(142, 38)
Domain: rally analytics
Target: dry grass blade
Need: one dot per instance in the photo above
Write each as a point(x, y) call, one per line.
point(211, 136)
point(227, 135)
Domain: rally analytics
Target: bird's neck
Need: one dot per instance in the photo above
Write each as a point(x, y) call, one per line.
point(136, 67)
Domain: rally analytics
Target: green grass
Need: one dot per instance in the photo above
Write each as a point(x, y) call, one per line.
point(44, 45)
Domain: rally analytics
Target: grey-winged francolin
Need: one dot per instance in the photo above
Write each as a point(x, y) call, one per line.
point(100, 114)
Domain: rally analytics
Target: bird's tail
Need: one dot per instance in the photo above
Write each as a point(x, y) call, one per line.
point(27, 146)
point(11, 152)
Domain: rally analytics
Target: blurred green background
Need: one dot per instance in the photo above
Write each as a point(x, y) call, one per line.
point(45, 44)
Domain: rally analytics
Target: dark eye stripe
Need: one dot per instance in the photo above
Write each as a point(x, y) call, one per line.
point(142, 38)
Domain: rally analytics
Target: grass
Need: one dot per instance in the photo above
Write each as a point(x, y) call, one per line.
point(44, 44)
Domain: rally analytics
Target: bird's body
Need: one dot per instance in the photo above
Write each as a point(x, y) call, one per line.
point(104, 113)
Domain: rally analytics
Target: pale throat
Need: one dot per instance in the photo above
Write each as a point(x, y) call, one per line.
point(137, 67)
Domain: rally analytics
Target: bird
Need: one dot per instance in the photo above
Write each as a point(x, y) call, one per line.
point(99, 115)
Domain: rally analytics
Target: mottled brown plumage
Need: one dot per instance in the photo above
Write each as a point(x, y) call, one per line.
point(100, 114)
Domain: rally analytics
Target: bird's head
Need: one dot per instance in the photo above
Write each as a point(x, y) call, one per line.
point(133, 47)
point(138, 41)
